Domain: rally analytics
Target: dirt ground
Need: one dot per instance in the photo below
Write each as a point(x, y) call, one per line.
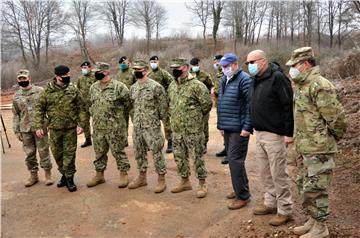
point(107, 211)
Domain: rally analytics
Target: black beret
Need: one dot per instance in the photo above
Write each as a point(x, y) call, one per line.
point(154, 58)
point(218, 57)
point(85, 63)
point(122, 59)
point(61, 70)
point(194, 61)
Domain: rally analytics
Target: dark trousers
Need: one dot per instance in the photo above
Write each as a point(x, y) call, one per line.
point(236, 148)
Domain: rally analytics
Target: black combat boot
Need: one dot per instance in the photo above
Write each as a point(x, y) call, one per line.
point(62, 182)
point(225, 161)
point(221, 153)
point(70, 184)
point(169, 148)
point(86, 143)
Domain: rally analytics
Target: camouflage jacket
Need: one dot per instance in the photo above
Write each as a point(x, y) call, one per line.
point(189, 102)
point(161, 76)
point(110, 105)
point(204, 77)
point(83, 84)
point(149, 104)
point(217, 78)
point(63, 107)
point(127, 77)
point(23, 109)
point(318, 114)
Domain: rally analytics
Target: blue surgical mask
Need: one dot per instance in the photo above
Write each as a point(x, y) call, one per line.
point(253, 69)
point(294, 72)
point(195, 69)
point(84, 71)
point(153, 65)
point(228, 72)
point(123, 66)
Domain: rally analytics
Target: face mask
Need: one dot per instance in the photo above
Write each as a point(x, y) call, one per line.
point(153, 65)
point(195, 69)
point(138, 74)
point(216, 66)
point(253, 69)
point(84, 71)
point(228, 72)
point(123, 66)
point(177, 73)
point(65, 79)
point(294, 72)
point(24, 84)
point(99, 75)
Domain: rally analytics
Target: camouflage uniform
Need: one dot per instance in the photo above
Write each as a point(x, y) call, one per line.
point(23, 125)
point(127, 77)
point(190, 102)
point(150, 106)
point(109, 110)
point(164, 78)
point(63, 108)
point(217, 77)
point(83, 84)
point(319, 122)
point(205, 78)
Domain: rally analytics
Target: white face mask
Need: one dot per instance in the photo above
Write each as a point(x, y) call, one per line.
point(153, 65)
point(195, 69)
point(294, 72)
point(228, 72)
point(216, 66)
point(84, 71)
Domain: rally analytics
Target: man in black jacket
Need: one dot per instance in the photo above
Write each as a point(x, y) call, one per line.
point(272, 118)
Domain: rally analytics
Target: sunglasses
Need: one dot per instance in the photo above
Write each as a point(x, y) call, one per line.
point(252, 61)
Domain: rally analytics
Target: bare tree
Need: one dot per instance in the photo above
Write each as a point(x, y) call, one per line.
point(308, 7)
point(332, 9)
point(160, 20)
point(202, 10)
point(217, 8)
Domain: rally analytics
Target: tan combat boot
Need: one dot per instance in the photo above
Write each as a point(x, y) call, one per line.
point(279, 219)
point(264, 210)
point(202, 189)
point(184, 185)
point(301, 230)
point(161, 186)
point(319, 230)
point(33, 179)
point(98, 179)
point(48, 180)
point(124, 179)
point(139, 181)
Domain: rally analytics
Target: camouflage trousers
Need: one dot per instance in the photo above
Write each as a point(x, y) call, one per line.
point(206, 128)
point(115, 140)
point(167, 127)
point(314, 177)
point(153, 139)
point(63, 147)
point(188, 147)
point(31, 143)
point(87, 130)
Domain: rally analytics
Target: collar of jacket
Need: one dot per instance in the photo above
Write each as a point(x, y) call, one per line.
point(186, 79)
point(236, 74)
point(304, 76)
point(27, 92)
point(109, 85)
point(54, 87)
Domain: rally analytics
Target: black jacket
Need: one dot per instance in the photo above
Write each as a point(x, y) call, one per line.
point(271, 105)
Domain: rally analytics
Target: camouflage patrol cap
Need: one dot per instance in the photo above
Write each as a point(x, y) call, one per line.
point(140, 64)
point(23, 73)
point(102, 66)
point(178, 62)
point(303, 53)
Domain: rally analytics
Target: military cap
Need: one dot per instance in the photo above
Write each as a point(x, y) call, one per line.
point(61, 70)
point(23, 73)
point(102, 66)
point(154, 58)
point(85, 63)
point(139, 64)
point(228, 59)
point(218, 57)
point(303, 53)
point(195, 61)
point(122, 59)
point(178, 62)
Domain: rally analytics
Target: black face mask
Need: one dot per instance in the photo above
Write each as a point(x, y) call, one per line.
point(24, 84)
point(138, 74)
point(99, 75)
point(65, 79)
point(177, 73)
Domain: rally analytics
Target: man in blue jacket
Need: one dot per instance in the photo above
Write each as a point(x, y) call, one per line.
point(235, 125)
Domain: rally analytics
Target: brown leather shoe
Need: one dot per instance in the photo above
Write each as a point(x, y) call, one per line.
point(264, 210)
point(231, 195)
point(279, 219)
point(237, 204)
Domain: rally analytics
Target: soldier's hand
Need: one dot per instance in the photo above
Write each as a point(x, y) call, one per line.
point(288, 140)
point(19, 136)
point(222, 132)
point(212, 92)
point(79, 130)
point(40, 133)
point(244, 133)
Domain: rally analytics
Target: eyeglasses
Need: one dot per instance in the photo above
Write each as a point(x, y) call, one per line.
point(252, 61)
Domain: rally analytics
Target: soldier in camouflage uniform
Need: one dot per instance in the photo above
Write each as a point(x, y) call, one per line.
point(190, 102)
point(110, 105)
point(61, 104)
point(204, 77)
point(83, 84)
point(150, 105)
point(319, 123)
point(126, 74)
point(164, 78)
point(23, 124)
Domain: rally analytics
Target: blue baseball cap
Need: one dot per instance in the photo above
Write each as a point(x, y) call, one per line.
point(228, 59)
